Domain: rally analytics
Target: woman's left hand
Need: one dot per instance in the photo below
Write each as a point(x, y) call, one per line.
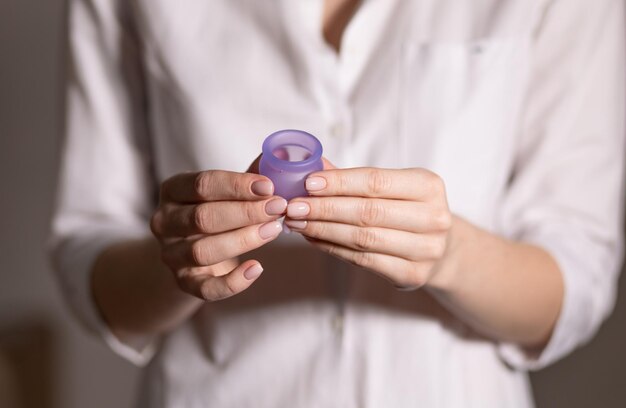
point(393, 222)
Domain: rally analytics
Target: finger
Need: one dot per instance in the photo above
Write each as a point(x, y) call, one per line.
point(400, 272)
point(216, 185)
point(254, 167)
point(210, 250)
point(219, 216)
point(412, 216)
point(327, 164)
point(412, 247)
point(402, 184)
point(212, 288)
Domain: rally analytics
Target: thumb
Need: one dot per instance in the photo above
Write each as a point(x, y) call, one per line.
point(327, 164)
point(254, 167)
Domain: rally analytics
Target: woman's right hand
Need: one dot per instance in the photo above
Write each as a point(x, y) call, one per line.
point(206, 219)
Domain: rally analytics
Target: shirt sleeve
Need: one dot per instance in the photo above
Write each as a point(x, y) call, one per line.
point(566, 192)
point(106, 186)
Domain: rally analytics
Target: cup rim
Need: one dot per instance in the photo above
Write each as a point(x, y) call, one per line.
point(268, 149)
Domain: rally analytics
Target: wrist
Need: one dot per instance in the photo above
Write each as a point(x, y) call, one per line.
point(445, 273)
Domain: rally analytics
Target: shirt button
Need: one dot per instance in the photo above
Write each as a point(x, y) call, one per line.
point(338, 323)
point(337, 130)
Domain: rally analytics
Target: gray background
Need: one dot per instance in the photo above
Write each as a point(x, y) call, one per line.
point(41, 346)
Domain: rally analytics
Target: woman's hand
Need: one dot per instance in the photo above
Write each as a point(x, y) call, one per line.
point(393, 222)
point(205, 220)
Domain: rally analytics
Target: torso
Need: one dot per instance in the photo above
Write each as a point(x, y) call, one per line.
point(406, 83)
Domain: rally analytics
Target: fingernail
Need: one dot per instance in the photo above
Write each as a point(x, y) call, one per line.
point(270, 229)
point(296, 224)
point(263, 188)
point(315, 183)
point(298, 209)
point(253, 272)
point(276, 207)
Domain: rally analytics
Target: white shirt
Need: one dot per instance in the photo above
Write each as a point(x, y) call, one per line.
point(518, 105)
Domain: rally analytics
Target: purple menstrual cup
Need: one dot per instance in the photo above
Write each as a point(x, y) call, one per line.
point(289, 156)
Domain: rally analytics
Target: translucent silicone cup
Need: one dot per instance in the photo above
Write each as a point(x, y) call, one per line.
point(289, 176)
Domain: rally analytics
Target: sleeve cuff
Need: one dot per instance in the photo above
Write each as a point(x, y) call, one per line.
point(73, 259)
point(579, 317)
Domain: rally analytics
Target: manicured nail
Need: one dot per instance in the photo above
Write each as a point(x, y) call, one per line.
point(253, 272)
point(263, 188)
point(276, 207)
point(298, 209)
point(270, 229)
point(315, 183)
point(296, 224)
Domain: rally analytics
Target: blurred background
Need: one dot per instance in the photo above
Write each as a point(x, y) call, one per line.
point(46, 361)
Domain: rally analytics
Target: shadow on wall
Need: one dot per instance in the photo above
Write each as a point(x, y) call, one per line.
point(45, 360)
point(26, 366)
point(593, 376)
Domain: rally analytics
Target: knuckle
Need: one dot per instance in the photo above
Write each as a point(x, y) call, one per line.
point(335, 251)
point(440, 247)
point(326, 209)
point(331, 250)
point(435, 248)
point(372, 213)
point(415, 171)
point(251, 211)
point(202, 219)
point(365, 238)
point(429, 176)
point(316, 229)
point(206, 290)
point(378, 182)
point(202, 183)
point(182, 278)
point(414, 276)
point(442, 219)
point(342, 182)
point(420, 181)
point(440, 186)
point(433, 181)
point(217, 289)
point(363, 259)
point(156, 223)
point(184, 283)
point(421, 174)
point(239, 184)
point(245, 242)
point(322, 230)
point(200, 253)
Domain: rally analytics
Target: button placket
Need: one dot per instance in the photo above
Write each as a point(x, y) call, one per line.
point(338, 322)
point(337, 130)
point(339, 289)
point(340, 127)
